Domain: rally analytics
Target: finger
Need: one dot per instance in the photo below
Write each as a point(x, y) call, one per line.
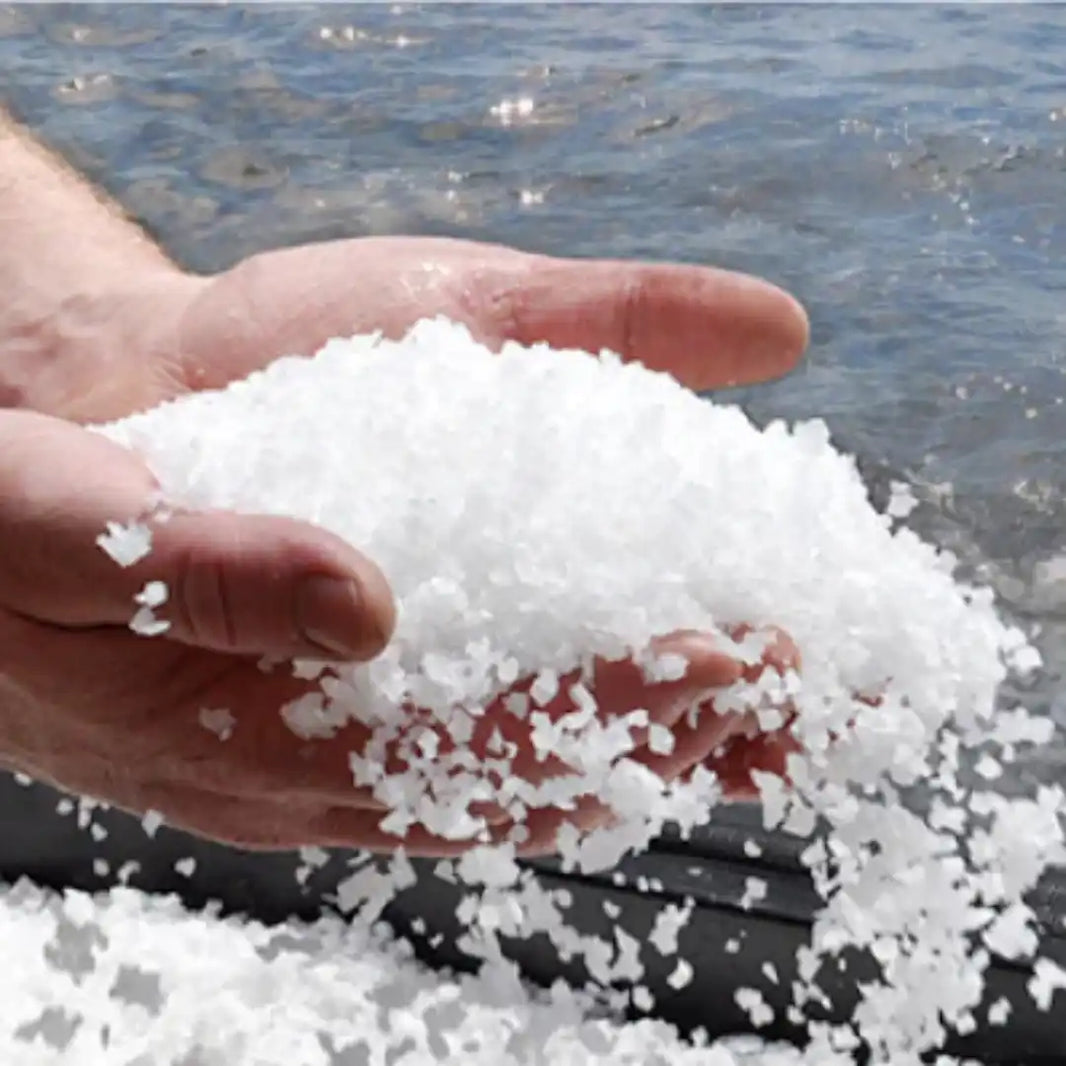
point(697, 737)
point(236, 583)
point(620, 688)
point(99, 698)
point(767, 753)
point(693, 742)
point(340, 827)
point(260, 825)
point(709, 328)
point(541, 827)
point(779, 651)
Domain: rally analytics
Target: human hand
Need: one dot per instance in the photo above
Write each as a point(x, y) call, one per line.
point(173, 333)
point(119, 717)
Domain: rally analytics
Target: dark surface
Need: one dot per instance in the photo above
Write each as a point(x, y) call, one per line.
point(53, 850)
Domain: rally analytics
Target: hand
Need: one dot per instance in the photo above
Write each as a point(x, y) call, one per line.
point(88, 705)
point(175, 333)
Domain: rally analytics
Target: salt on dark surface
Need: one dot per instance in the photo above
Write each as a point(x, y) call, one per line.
point(525, 526)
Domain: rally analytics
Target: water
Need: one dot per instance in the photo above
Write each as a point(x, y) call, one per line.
point(901, 169)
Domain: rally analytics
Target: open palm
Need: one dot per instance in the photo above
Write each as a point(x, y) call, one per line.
point(95, 708)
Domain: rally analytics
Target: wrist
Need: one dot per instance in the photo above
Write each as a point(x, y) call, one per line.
point(84, 292)
point(99, 350)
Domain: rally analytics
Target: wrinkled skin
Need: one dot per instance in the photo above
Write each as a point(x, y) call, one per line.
point(89, 705)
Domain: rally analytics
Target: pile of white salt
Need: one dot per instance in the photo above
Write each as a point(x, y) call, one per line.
point(535, 508)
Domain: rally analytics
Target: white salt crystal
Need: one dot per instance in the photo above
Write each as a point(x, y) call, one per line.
point(154, 594)
point(754, 891)
point(545, 687)
point(127, 870)
point(668, 924)
point(660, 739)
point(78, 907)
point(901, 501)
point(666, 668)
point(145, 623)
point(681, 976)
point(751, 1001)
point(1025, 660)
point(218, 720)
point(151, 822)
point(999, 1012)
point(312, 716)
point(1048, 978)
point(309, 669)
point(643, 999)
point(126, 544)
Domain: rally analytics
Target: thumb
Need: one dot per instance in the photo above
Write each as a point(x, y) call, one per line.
point(252, 584)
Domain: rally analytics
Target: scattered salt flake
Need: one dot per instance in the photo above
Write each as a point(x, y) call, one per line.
point(660, 739)
point(989, 768)
point(145, 624)
point(751, 1001)
point(643, 1000)
point(309, 669)
point(127, 870)
point(126, 544)
point(669, 667)
point(545, 687)
point(668, 924)
point(186, 867)
point(314, 856)
point(1048, 978)
point(1025, 660)
point(754, 892)
point(312, 716)
point(681, 976)
point(999, 1012)
point(218, 720)
point(151, 821)
point(901, 501)
point(154, 594)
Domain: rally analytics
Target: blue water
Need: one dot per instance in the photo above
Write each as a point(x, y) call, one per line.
point(901, 168)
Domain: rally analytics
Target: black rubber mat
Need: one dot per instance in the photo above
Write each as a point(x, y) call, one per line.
point(712, 869)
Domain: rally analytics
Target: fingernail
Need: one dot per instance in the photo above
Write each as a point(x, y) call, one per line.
point(332, 613)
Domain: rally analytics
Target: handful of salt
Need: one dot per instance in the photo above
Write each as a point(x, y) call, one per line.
point(535, 508)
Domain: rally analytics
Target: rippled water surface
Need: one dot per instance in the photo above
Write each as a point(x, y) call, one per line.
point(903, 170)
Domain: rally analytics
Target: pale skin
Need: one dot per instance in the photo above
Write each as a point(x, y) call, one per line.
point(96, 322)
